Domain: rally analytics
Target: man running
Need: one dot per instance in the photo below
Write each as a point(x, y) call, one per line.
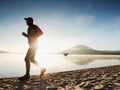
point(33, 32)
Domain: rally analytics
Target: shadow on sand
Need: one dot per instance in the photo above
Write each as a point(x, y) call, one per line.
point(31, 85)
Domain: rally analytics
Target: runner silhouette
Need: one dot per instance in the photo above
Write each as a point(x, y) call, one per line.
point(33, 33)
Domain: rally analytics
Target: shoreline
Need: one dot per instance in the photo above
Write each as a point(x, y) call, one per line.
point(101, 78)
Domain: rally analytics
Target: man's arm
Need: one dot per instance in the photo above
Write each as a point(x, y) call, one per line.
point(24, 34)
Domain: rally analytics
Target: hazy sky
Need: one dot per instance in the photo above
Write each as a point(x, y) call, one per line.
point(65, 23)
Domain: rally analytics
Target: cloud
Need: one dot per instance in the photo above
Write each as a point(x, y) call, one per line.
point(1, 27)
point(117, 19)
point(117, 24)
point(84, 18)
point(118, 31)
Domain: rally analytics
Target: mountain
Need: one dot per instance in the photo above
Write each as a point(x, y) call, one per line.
point(82, 49)
point(3, 52)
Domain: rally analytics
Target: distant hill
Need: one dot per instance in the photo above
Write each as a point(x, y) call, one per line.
point(4, 52)
point(82, 49)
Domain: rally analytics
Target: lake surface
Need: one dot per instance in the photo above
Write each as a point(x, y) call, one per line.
point(13, 65)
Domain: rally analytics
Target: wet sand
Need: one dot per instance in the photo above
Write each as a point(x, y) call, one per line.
point(104, 78)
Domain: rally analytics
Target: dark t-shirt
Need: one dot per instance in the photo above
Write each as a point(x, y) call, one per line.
point(32, 35)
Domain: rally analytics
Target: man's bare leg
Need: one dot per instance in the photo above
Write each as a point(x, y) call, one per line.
point(27, 75)
point(27, 67)
point(43, 70)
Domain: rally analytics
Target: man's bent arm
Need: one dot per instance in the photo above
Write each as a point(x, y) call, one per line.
point(24, 34)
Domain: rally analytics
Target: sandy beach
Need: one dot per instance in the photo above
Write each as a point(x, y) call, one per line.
point(103, 78)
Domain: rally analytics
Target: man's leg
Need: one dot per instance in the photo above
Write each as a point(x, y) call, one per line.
point(38, 65)
point(42, 69)
point(27, 62)
point(36, 62)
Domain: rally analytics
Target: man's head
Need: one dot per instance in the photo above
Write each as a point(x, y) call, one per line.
point(29, 20)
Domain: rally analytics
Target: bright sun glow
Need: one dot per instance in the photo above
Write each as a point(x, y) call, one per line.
point(42, 59)
point(50, 45)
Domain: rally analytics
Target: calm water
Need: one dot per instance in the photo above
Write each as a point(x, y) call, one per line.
point(13, 65)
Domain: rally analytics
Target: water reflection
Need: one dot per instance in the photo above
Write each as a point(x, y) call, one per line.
point(54, 63)
point(86, 59)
